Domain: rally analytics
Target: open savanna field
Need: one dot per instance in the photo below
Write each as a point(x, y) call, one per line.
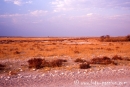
point(20, 56)
point(23, 48)
point(52, 48)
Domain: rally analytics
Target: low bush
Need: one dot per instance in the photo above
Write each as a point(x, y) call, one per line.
point(127, 59)
point(2, 67)
point(57, 63)
point(17, 52)
point(80, 60)
point(35, 63)
point(40, 63)
point(45, 63)
point(84, 66)
point(62, 60)
point(117, 58)
point(104, 61)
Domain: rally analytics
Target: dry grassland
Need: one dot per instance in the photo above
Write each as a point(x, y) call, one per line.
point(23, 48)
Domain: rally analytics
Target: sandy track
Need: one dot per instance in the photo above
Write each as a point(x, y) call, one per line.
point(119, 76)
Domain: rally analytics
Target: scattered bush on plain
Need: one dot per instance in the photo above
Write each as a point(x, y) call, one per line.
point(116, 57)
point(40, 63)
point(84, 66)
point(35, 63)
point(105, 61)
point(2, 67)
point(80, 60)
point(57, 62)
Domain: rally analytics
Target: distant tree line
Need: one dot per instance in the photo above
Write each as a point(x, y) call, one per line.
point(107, 38)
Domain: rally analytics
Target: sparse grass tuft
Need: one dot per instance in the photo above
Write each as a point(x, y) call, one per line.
point(64, 60)
point(77, 52)
point(12, 73)
point(17, 52)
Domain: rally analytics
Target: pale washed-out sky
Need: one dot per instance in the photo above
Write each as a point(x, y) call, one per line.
point(64, 17)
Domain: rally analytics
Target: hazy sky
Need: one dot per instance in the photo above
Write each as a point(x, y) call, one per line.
point(64, 17)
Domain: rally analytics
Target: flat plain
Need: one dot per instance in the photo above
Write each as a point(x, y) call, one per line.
point(16, 51)
point(23, 48)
